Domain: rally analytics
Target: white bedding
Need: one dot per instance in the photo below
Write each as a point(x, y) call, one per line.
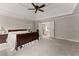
point(3, 46)
point(11, 40)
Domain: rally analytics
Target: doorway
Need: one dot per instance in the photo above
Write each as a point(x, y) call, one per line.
point(46, 29)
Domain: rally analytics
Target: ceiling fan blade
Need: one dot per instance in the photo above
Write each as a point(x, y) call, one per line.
point(31, 9)
point(41, 10)
point(34, 5)
point(36, 11)
point(42, 6)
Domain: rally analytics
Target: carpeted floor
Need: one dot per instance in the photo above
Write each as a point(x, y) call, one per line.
point(49, 47)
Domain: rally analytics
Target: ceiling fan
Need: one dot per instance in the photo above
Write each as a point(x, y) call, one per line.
point(37, 8)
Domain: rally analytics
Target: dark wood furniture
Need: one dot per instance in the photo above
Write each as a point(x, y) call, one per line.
point(25, 38)
point(3, 38)
point(13, 30)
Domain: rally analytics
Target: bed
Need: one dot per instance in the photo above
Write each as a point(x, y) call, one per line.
point(18, 37)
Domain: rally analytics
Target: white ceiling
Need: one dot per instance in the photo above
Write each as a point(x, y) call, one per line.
point(19, 10)
point(16, 10)
point(56, 9)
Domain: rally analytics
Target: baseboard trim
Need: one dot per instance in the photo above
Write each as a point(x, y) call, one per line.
point(66, 39)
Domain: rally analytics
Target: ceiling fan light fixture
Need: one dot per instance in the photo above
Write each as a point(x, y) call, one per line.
point(37, 8)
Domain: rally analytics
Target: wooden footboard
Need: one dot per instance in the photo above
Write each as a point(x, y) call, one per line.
point(26, 38)
point(3, 38)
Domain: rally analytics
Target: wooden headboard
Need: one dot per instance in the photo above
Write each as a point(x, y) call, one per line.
point(17, 30)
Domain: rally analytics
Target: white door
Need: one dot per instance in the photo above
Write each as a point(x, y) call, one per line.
point(46, 29)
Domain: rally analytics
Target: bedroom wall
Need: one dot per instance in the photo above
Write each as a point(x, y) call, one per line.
point(13, 23)
point(66, 27)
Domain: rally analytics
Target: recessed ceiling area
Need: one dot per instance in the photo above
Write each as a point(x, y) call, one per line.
point(20, 10)
point(57, 9)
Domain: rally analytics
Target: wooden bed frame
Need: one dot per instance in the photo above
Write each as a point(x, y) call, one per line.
point(13, 30)
point(3, 38)
point(25, 37)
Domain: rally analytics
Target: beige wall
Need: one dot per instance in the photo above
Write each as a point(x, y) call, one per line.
point(66, 27)
point(13, 23)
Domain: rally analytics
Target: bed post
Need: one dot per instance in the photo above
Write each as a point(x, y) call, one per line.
point(37, 34)
point(16, 48)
